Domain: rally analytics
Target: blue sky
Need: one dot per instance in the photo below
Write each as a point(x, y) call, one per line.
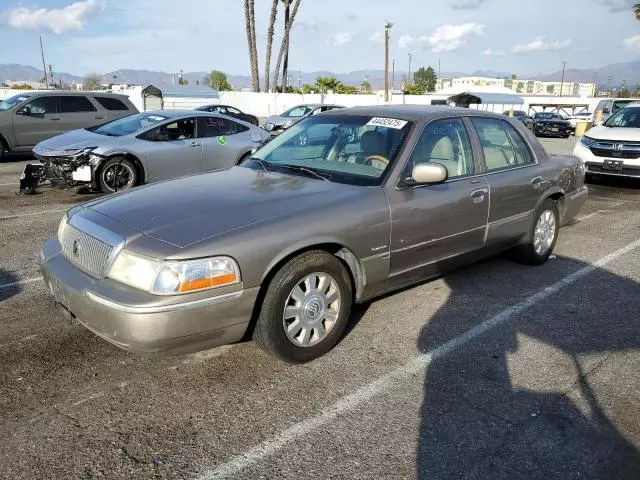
point(528, 37)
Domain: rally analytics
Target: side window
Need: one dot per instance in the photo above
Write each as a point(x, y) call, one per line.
point(502, 145)
point(445, 142)
point(316, 112)
point(215, 127)
point(109, 103)
point(41, 106)
point(75, 103)
point(298, 112)
point(182, 129)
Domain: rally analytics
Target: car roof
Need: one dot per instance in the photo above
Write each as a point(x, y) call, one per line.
point(73, 92)
point(183, 113)
point(413, 112)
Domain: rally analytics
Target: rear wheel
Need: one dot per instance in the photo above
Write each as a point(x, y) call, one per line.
point(542, 236)
point(305, 309)
point(117, 174)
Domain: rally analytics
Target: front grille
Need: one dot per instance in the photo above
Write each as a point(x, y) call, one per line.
point(612, 149)
point(84, 251)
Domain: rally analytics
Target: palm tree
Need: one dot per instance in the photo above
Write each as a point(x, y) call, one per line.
point(636, 10)
point(267, 60)
point(250, 25)
point(285, 39)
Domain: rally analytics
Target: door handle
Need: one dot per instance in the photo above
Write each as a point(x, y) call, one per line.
point(536, 182)
point(195, 144)
point(481, 192)
point(98, 117)
point(54, 119)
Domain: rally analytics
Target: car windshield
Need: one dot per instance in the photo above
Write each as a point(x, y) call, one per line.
point(11, 102)
point(628, 117)
point(299, 111)
point(548, 116)
point(356, 150)
point(618, 104)
point(128, 125)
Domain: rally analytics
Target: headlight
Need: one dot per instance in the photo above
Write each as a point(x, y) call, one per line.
point(287, 124)
point(268, 126)
point(174, 277)
point(62, 226)
point(587, 141)
point(80, 152)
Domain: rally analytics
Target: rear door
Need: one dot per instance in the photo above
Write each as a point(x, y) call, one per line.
point(36, 121)
point(513, 177)
point(223, 142)
point(77, 111)
point(432, 223)
point(171, 150)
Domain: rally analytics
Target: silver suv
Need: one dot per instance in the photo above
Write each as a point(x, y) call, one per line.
point(28, 118)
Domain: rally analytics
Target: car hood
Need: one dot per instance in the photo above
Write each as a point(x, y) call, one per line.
point(192, 209)
point(73, 140)
point(614, 133)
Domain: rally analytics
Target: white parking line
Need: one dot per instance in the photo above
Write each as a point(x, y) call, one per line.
point(352, 401)
point(7, 184)
point(20, 282)
point(18, 215)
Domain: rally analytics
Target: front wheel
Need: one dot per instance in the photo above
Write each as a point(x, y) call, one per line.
point(117, 174)
point(542, 236)
point(305, 308)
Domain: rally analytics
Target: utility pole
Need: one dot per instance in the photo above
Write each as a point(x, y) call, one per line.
point(393, 76)
point(44, 65)
point(564, 64)
point(409, 73)
point(53, 81)
point(439, 67)
point(387, 26)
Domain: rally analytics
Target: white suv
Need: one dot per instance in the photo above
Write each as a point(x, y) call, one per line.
point(614, 147)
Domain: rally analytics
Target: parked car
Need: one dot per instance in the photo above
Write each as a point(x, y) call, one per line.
point(281, 246)
point(521, 116)
point(614, 147)
point(579, 117)
point(143, 148)
point(29, 118)
point(547, 124)
point(276, 124)
point(608, 106)
point(231, 112)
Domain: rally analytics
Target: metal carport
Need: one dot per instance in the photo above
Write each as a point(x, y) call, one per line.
point(490, 101)
point(177, 97)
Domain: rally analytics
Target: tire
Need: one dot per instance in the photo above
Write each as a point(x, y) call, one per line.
point(119, 165)
point(527, 253)
point(313, 308)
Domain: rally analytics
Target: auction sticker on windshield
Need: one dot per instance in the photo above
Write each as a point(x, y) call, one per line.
point(387, 122)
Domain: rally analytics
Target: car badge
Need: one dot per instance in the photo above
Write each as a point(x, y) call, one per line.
point(76, 248)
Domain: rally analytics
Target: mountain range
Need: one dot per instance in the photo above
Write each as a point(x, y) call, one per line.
point(609, 76)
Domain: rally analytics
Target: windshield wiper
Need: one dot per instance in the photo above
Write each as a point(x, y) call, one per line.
point(308, 170)
point(261, 162)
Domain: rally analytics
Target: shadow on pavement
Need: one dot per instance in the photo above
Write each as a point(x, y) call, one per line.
point(8, 286)
point(618, 182)
point(530, 399)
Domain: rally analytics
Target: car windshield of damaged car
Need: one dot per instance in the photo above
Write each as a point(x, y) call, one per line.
point(355, 150)
point(296, 112)
point(11, 102)
point(628, 117)
point(547, 116)
point(128, 125)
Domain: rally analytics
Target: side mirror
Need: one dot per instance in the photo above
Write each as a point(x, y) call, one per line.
point(24, 111)
point(428, 173)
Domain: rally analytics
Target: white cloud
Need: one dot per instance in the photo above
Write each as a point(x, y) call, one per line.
point(55, 20)
point(444, 38)
point(632, 43)
point(467, 4)
point(377, 37)
point(340, 39)
point(540, 45)
point(618, 5)
point(492, 53)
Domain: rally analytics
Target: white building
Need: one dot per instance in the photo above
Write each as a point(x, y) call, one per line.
point(524, 87)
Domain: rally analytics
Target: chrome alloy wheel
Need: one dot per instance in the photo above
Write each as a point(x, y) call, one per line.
point(118, 176)
point(312, 309)
point(545, 232)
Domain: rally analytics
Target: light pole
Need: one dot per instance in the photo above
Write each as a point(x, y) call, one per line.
point(409, 73)
point(387, 27)
point(564, 64)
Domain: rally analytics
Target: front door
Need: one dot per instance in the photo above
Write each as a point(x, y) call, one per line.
point(171, 150)
point(36, 121)
point(432, 223)
point(515, 181)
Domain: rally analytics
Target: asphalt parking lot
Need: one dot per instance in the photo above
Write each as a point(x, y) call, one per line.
point(495, 371)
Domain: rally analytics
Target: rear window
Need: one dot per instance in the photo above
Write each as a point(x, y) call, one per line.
point(75, 103)
point(618, 104)
point(110, 103)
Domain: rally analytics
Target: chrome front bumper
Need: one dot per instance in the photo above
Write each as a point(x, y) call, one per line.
point(141, 322)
